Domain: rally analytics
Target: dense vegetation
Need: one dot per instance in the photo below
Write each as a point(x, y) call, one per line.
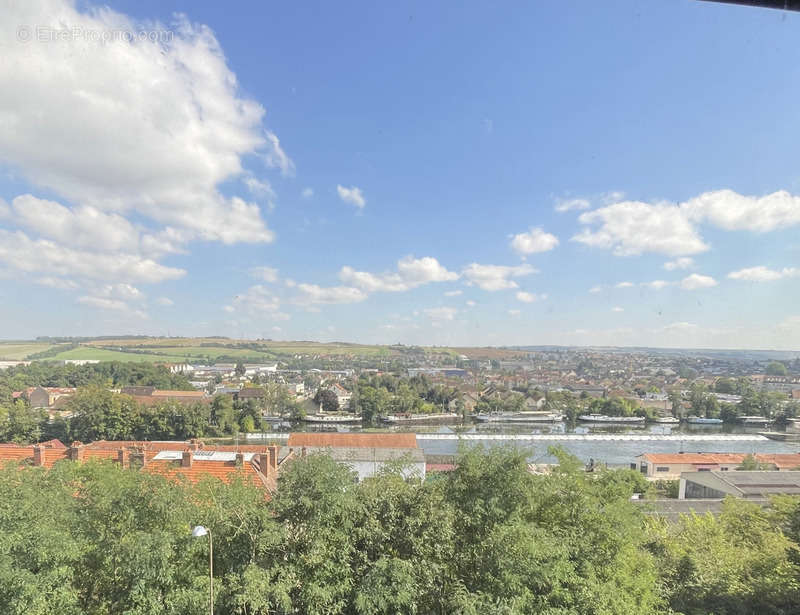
point(387, 394)
point(488, 538)
point(109, 374)
point(98, 414)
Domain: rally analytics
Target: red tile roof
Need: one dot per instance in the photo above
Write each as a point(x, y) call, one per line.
point(781, 461)
point(353, 440)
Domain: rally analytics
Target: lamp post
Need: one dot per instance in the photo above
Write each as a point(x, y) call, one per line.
point(198, 532)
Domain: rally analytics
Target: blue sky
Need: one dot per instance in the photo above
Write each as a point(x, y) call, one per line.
point(616, 173)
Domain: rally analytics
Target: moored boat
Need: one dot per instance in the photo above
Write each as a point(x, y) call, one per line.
point(701, 420)
point(332, 419)
point(520, 417)
point(668, 420)
point(603, 418)
point(420, 419)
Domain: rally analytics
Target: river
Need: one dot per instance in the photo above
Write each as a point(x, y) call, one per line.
point(615, 445)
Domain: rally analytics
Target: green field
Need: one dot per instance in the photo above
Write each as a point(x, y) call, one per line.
point(16, 351)
point(100, 354)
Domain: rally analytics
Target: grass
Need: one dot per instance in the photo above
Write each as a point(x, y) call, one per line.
point(101, 354)
point(17, 351)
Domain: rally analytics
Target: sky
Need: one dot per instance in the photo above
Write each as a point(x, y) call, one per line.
point(558, 172)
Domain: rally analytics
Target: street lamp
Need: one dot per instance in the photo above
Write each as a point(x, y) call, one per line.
point(198, 532)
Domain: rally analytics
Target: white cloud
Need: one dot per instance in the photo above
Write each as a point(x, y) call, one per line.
point(572, 204)
point(617, 309)
point(596, 289)
point(495, 277)
point(441, 313)
point(259, 187)
point(453, 293)
point(163, 162)
point(471, 303)
point(624, 285)
point(165, 301)
point(352, 195)
point(275, 157)
point(258, 301)
point(411, 272)
point(736, 212)
point(763, 274)
point(684, 262)
point(631, 228)
point(656, 284)
point(311, 294)
point(534, 241)
point(103, 303)
point(27, 255)
point(526, 297)
point(266, 274)
point(307, 193)
point(5, 210)
point(695, 281)
point(58, 283)
point(79, 227)
point(514, 312)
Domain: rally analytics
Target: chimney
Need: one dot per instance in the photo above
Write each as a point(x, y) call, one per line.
point(186, 459)
point(75, 452)
point(273, 457)
point(39, 453)
point(138, 459)
point(122, 457)
point(239, 460)
point(263, 464)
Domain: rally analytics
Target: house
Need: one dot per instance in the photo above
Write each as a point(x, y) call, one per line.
point(591, 391)
point(672, 465)
point(742, 484)
point(366, 454)
point(46, 397)
point(180, 460)
point(138, 391)
point(247, 393)
point(343, 396)
point(150, 395)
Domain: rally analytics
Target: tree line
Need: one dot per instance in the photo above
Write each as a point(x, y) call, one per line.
point(486, 539)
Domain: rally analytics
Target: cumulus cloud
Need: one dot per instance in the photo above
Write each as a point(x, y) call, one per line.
point(572, 204)
point(471, 303)
point(631, 228)
point(161, 162)
point(736, 212)
point(266, 274)
point(527, 297)
point(312, 294)
point(535, 240)
point(165, 301)
point(58, 283)
point(28, 255)
point(514, 312)
point(116, 297)
point(352, 195)
point(258, 301)
point(684, 262)
point(596, 289)
point(695, 281)
point(763, 274)
point(617, 309)
point(624, 285)
point(495, 277)
point(411, 272)
point(307, 193)
point(656, 284)
point(453, 293)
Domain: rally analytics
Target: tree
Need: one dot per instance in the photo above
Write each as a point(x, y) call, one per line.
point(776, 368)
point(240, 370)
point(327, 400)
